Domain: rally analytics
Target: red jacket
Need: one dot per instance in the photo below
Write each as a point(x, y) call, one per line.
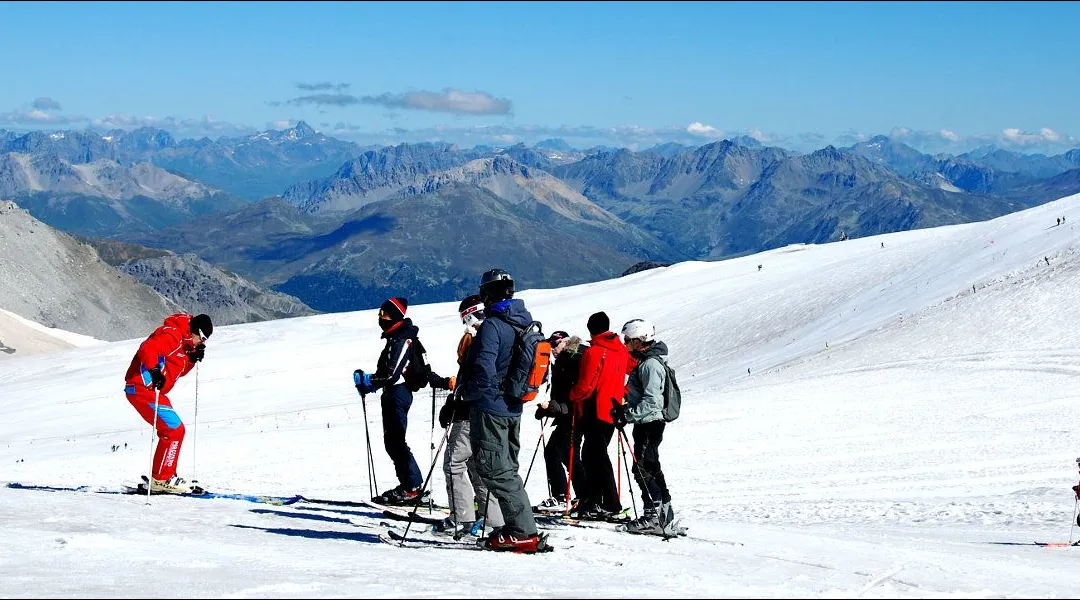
point(604, 367)
point(168, 345)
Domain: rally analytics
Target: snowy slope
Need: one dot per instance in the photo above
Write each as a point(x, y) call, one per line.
point(894, 425)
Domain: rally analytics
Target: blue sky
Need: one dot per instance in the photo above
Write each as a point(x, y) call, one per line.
point(937, 75)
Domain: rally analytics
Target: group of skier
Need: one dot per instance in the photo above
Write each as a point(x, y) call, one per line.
point(595, 389)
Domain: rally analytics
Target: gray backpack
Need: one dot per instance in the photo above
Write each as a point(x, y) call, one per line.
point(672, 395)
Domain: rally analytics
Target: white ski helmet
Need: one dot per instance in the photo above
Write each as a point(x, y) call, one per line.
point(471, 310)
point(639, 329)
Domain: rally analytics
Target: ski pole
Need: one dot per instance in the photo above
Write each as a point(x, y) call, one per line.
point(420, 496)
point(431, 435)
point(195, 429)
point(539, 442)
point(153, 434)
point(618, 467)
point(1076, 506)
point(626, 463)
point(372, 487)
point(570, 466)
point(487, 503)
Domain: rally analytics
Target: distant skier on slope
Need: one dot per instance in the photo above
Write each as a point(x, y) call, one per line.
point(168, 354)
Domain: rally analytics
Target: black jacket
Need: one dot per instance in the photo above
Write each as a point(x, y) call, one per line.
point(396, 355)
point(564, 374)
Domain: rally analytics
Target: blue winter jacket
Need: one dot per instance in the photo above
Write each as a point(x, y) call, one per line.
point(488, 359)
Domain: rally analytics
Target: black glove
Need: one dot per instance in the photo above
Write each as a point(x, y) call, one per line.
point(197, 354)
point(157, 378)
point(446, 415)
point(618, 415)
point(540, 413)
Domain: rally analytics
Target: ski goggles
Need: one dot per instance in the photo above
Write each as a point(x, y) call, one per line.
point(472, 316)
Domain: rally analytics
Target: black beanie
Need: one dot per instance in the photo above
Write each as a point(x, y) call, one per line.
point(202, 326)
point(394, 308)
point(599, 323)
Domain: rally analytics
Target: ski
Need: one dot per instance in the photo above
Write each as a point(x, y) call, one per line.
point(434, 529)
point(594, 523)
point(369, 504)
point(391, 536)
point(135, 490)
point(396, 539)
point(672, 531)
point(548, 522)
point(198, 492)
point(1038, 544)
point(55, 488)
point(415, 518)
point(330, 502)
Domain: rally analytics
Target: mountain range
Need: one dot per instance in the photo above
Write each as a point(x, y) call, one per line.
point(426, 219)
point(251, 167)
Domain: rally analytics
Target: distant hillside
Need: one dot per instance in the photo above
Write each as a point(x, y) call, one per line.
point(199, 287)
point(430, 240)
point(52, 279)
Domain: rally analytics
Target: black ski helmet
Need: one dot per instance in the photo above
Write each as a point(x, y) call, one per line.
point(496, 285)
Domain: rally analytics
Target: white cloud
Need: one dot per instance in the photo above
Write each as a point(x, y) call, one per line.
point(42, 111)
point(700, 129)
point(949, 135)
point(203, 126)
point(761, 136)
point(1016, 137)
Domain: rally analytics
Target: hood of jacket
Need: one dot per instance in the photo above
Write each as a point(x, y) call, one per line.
point(512, 311)
point(657, 350)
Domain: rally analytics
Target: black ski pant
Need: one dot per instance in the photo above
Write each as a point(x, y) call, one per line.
point(396, 401)
point(647, 472)
point(557, 458)
point(603, 491)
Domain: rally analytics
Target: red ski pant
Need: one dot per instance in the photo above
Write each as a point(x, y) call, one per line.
point(170, 428)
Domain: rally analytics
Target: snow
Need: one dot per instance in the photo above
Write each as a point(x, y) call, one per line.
point(895, 431)
point(60, 335)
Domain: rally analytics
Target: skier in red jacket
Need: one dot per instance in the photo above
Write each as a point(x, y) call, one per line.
point(601, 384)
point(167, 355)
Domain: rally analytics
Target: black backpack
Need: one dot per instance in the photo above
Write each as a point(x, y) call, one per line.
point(418, 372)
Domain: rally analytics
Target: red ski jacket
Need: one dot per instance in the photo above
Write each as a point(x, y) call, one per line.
point(167, 347)
point(604, 367)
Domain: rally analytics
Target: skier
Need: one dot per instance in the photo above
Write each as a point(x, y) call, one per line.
point(644, 408)
point(494, 419)
point(463, 482)
point(601, 383)
point(399, 367)
point(168, 354)
point(564, 443)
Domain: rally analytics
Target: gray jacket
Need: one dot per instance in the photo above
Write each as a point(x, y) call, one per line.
point(645, 386)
